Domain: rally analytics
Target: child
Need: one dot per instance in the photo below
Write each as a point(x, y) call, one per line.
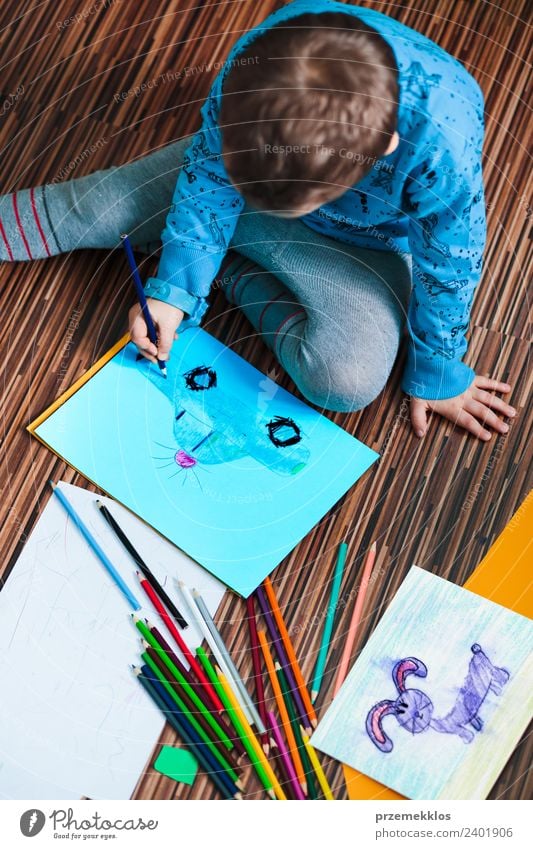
point(340, 157)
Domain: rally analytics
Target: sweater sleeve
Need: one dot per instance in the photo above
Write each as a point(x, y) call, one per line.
point(199, 225)
point(447, 230)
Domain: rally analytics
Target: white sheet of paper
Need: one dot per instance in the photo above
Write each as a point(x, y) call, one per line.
point(73, 720)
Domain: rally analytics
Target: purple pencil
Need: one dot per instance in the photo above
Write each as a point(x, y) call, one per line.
point(283, 659)
point(284, 755)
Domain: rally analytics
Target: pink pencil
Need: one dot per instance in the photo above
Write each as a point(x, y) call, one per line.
point(356, 618)
point(284, 755)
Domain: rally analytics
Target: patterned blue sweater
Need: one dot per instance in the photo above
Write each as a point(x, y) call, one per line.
point(426, 198)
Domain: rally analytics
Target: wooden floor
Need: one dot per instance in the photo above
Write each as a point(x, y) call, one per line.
point(412, 500)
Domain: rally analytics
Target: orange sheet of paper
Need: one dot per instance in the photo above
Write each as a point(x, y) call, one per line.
point(503, 577)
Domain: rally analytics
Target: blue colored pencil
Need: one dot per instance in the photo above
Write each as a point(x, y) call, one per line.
point(328, 625)
point(139, 288)
point(185, 730)
point(104, 559)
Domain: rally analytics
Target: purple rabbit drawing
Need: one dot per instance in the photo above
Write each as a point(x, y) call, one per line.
point(413, 709)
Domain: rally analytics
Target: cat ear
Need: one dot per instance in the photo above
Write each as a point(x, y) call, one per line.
point(405, 667)
point(374, 727)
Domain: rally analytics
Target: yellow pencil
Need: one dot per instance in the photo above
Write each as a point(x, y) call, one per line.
point(254, 742)
point(322, 780)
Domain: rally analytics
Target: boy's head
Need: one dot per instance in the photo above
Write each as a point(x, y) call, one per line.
point(307, 108)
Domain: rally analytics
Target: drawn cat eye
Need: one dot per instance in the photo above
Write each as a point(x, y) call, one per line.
point(283, 432)
point(200, 378)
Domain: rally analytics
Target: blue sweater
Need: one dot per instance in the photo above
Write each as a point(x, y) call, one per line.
point(426, 198)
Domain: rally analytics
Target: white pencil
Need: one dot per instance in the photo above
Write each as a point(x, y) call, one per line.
point(197, 618)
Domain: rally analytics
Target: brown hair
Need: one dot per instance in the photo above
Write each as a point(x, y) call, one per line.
point(307, 108)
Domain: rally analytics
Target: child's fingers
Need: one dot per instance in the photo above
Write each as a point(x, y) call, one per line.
point(491, 385)
point(493, 401)
point(167, 334)
point(418, 416)
point(468, 422)
point(138, 335)
point(485, 415)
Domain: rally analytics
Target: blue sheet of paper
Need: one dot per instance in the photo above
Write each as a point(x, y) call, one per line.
point(221, 460)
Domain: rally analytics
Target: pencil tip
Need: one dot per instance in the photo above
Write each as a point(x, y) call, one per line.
point(314, 696)
point(374, 546)
point(277, 666)
point(52, 484)
point(314, 723)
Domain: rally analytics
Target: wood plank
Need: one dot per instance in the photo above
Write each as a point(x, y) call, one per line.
point(439, 503)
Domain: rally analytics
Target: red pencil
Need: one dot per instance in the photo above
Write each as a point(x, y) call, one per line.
point(184, 648)
point(258, 677)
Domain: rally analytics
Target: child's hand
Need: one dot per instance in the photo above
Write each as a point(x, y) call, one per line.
point(166, 319)
point(472, 410)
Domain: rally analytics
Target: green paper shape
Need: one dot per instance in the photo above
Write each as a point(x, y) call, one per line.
point(178, 764)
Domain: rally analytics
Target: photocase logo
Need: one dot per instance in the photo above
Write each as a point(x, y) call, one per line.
point(32, 822)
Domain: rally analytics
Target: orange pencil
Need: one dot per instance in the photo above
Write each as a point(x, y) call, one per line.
point(356, 618)
point(285, 721)
point(295, 666)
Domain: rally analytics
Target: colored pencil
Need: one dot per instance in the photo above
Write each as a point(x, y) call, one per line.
point(137, 559)
point(238, 713)
point(317, 766)
point(282, 657)
point(199, 704)
point(191, 707)
point(257, 670)
point(291, 654)
point(285, 720)
point(356, 618)
point(328, 624)
point(245, 699)
point(306, 761)
point(192, 717)
point(102, 556)
point(236, 722)
point(198, 688)
point(285, 757)
point(184, 648)
point(221, 758)
point(141, 297)
point(213, 644)
point(199, 749)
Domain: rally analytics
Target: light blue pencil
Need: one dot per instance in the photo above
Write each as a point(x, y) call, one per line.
point(328, 625)
point(84, 530)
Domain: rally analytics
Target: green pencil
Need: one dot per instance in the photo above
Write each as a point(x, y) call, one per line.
point(213, 677)
point(190, 716)
point(295, 724)
point(328, 624)
point(149, 637)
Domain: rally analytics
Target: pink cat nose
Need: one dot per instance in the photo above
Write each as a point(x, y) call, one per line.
point(184, 460)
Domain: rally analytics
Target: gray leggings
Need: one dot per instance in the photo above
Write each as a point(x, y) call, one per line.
point(333, 313)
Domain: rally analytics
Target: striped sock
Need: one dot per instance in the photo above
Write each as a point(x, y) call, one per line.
point(265, 301)
point(26, 230)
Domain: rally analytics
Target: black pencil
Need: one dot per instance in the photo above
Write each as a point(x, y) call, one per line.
point(148, 574)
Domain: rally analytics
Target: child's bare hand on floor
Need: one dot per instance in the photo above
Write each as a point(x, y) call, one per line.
point(167, 320)
point(475, 409)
